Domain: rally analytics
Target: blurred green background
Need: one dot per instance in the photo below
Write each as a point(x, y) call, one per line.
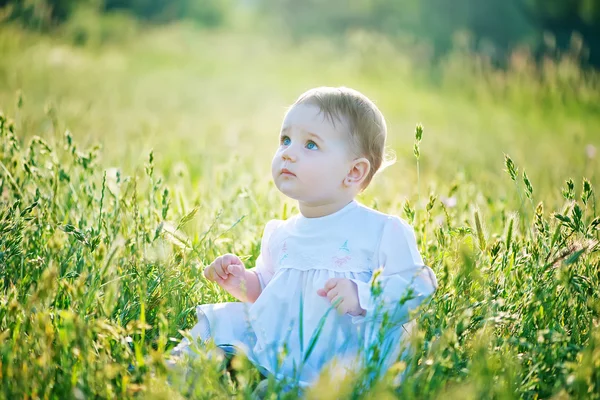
point(205, 80)
point(497, 26)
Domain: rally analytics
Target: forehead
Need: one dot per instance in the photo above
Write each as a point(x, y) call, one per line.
point(310, 118)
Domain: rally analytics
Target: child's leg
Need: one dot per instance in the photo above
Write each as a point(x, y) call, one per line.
point(200, 331)
point(225, 323)
point(230, 352)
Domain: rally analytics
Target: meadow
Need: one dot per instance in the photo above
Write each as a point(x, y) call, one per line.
point(127, 166)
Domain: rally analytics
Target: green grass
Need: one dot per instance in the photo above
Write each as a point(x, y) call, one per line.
point(102, 249)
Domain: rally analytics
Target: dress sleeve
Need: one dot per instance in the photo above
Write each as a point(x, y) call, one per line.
point(264, 267)
point(403, 281)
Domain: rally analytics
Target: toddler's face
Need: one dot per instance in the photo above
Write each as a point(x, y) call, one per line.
point(313, 156)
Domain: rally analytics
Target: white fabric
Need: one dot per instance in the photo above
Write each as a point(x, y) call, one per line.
point(297, 257)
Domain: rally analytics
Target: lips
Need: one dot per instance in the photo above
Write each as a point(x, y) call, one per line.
point(287, 172)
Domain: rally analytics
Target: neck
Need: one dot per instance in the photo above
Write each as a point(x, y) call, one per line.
point(316, 210)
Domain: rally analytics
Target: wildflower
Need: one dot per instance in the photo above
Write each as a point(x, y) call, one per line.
point(449, 202)
point(590, 151)
point(113, 180)
point(180, 170)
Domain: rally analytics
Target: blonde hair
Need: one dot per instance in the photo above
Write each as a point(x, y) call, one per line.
point(368, 130)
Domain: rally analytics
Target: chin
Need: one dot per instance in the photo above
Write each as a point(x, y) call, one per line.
point(288, 191)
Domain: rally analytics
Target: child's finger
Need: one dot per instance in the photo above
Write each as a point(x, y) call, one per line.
point(338, 304)
point(219, 268)
point(229, 259)
point(235, 270)
point(209, 273)
point(322, 292)
point(332, 294)
point(331, 283)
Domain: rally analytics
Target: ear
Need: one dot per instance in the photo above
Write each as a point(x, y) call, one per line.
point(359, 169)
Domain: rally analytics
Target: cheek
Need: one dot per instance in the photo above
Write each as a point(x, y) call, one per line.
point(276, 160)
point(274, 168)
point(323, 172)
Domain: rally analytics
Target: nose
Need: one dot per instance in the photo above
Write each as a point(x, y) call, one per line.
point(288, 154)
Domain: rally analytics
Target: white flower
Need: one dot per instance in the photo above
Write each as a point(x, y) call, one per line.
point(180, 170)
point(449, 202)
point(590, 151)
point(112, 181)
point(439, 220)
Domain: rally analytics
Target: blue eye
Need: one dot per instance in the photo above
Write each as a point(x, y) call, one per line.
point(285, 141)
point(311, 145)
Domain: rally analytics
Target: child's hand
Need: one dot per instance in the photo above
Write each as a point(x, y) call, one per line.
point(227, 270)
point(342, 293)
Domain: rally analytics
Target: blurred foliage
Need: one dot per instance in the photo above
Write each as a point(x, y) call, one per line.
point(205, 12)
point(47, 13)
point(435, 20)
point(39, 14)
point(497, 26)
point(87, 27)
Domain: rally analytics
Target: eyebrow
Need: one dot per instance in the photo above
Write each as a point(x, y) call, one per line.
point(286, 129)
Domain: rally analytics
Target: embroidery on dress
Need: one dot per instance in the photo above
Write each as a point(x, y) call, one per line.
point(344, 247)
point(340, 261)
point(284, 251)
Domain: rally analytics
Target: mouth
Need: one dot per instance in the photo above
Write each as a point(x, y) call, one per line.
point(287, 172)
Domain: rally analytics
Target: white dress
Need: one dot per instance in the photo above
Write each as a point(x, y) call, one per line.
point(297, 257)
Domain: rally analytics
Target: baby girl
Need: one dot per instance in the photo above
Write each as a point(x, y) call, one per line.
point(336, 254)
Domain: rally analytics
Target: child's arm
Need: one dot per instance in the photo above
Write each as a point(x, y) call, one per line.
point(403, 281)
point(249, 288)
point(244, 284)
